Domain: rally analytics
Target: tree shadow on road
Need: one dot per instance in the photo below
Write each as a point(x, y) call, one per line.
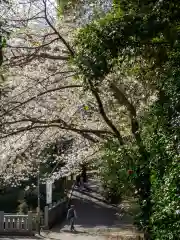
point(89, 194)
point(74, 232)
point(93, 214)
point(20, 237)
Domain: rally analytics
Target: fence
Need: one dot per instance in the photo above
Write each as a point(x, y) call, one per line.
point(12, 223)
point(57, 211)
point(15, 224)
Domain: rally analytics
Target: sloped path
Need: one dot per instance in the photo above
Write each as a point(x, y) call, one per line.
point(96, 219)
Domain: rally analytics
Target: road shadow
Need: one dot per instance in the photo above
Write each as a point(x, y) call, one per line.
point(94, 215)
point(90, 195)
point(94, 212)
point(21, 237)
point(73, 232)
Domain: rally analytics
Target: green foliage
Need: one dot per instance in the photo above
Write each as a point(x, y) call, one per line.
point(23, 208)
point(3, 42)
point(165, 219)
point(64, 5)
point(141, 38)
point(161, 138)
point(114, 167)
point(94, 57)
point(131, 33)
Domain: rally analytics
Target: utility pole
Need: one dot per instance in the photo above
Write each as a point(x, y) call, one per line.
point(38, 199)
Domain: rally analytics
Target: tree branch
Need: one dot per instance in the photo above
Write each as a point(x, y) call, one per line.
point(46, 55)
point(122, 99)
point(52, 124)
point(33, 48)
point(103, 113)
point(39, 95)
point(71, 51)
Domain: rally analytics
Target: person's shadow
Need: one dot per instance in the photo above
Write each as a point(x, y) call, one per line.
point(73, 232)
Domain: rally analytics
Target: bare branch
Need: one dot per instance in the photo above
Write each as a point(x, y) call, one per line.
point(71, 51)
point(39, 95)
point(38, 47)
point(46, 55)
point(31, 127)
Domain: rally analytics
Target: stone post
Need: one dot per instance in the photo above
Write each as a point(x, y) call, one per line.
point(30, 221)
point(1, 221)
point(46, 217)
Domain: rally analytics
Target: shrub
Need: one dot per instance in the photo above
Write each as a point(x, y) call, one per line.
point(165, 218)
point(114, 167)
point(23, 208)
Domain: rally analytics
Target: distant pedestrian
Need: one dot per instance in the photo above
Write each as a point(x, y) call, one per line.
point(81, 183)
point(71, 216)
point(84, 173)
point(78, 180)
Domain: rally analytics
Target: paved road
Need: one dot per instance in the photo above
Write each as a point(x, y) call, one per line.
point(96, 219)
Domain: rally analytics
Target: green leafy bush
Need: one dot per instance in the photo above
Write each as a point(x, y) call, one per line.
point(115, 164)
point(162, 140)
point(147, 31)
point(165, 218)
point(23, 208)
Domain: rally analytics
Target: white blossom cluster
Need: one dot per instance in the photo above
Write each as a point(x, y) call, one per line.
point(43, 100)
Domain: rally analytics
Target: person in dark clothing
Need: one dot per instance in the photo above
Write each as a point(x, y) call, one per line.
point(71, 215)
point(78, 180)
point(84, 173)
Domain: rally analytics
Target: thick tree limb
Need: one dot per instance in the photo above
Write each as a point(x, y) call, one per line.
point(103, 113)
point(122, 99)
point(32, 126)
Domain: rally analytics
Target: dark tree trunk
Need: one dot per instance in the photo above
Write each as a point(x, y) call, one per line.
point(142, 182)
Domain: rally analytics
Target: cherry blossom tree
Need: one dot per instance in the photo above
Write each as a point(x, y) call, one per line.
point(44, 101)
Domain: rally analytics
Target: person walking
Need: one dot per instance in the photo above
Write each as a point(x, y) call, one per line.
point(71, 215)
point(78, 180)
point(82, 184)
point(84, 173)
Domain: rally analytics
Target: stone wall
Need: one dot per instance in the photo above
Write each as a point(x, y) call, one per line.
point(57, 213)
